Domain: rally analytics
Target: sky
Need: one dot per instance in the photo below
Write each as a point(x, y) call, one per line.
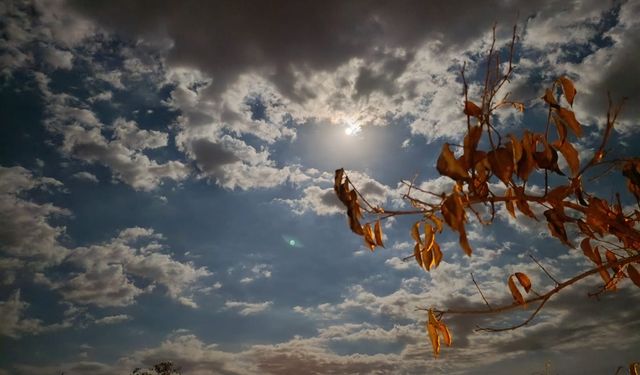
point(166, 173)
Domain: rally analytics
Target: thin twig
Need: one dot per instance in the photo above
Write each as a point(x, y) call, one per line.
point(480, 290)
point(545, 271)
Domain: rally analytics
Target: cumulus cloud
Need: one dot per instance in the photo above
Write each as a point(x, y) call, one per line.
point(83, 139)
point(113, 319)
point(248, 308)
point(14, 324)
point(86, 176)
point(25, 231)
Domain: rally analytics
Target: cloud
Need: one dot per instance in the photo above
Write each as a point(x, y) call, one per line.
point(13, 324)
point(58, 59)
point(107, 270)
point(83, 139)
point(113, 319)
point(25, 231)
point(86, 176)
point(247, 308)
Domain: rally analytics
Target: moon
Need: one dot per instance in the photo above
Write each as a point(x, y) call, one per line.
point(352, 129)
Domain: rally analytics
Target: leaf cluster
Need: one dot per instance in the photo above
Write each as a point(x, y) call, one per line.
point(494, 169)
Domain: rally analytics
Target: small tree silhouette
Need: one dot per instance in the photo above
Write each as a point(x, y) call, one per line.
point(161, 368)
point(498, 175)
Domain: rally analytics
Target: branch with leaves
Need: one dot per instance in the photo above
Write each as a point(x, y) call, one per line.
point(498, 175)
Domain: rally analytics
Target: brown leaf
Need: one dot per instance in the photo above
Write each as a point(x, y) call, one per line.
point(584, 228)
point(377, 230)
point(429, 237)
point(634, 368)
point(427, 259)
point(634, 275)
point(522, 204)
point(568, 89)
point(417, 255)
point(471, 109)
point(449, 166)
point(570, 155)
point(527, 161)
point(415, 232)
point(611, 258)
point(517, 296)
point(549, 99)
point(560, 127)
point(516, 149)
point(464, 242)
point(470, 145)
point(559, 193)
point(501, 161)
point(585, 245)
point(524, 281)
point(446, 335)
point(509, 202)
point(453, 211)
point(369, 237)
point(547, 159)
point(436, 220)
point(437, 255)
point(555, 221)
point(432, 331)
point(569, 118)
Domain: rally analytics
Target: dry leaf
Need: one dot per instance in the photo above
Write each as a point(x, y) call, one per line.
point(568, 89)
point(517, 296)
point(464, 242)
point(471, 109)
point(429, 237)
point(432, 331)
point(569, 118)
point(549, 99)
point(509, 202)
point(634, 275)
point(369, 237)
point(585, 245)
point(437, 255)
point(524, 281)
point(417, 255)
point(415, 232)
point(446, 335)
point(555, 221)
point(570, 155)
point(377, 230)
point(449, 166)
point(501, 161)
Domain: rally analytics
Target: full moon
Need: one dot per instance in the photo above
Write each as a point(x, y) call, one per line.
point(352, 129)
point(292, 242)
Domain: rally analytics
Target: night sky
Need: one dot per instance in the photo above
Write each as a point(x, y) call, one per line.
point(166, 173)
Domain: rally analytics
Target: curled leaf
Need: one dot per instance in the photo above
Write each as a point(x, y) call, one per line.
point(429, 237)
point(569, 118)
point(549, 99)
point(437, 255)
point(377, 230)
point(369, 237)
point(464, 242)
point(570, 155)
point(555, 221)
point(415, 233)
point(524, 281)
point(417, 255)
point(568, 89)
point(449, 166)
point(509, 203)
point(471, 109)
point(432, 331)
point(634, 275)
point(517, 296)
